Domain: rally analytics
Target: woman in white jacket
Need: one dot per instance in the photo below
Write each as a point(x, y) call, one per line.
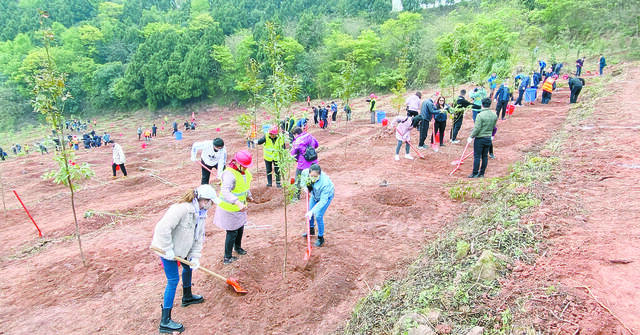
point(180, 233)
point(118, 159)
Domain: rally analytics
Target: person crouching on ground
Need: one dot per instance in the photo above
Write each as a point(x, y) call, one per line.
point(321, 192)
point(118, 159)
point(481, 137)
point(403, 127)
point(231, 213)
point(180, 233)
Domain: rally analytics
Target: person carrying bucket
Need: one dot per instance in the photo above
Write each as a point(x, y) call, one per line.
point(321, 193)
point(372, 107)
point(272, 142)
point(231, 213)
point(181, 233)
point(214, 155)
point(118, 159)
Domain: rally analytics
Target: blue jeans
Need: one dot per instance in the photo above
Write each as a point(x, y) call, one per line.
point(319, 217)
point(601, 68)
point(400, 146)
point(171, 271)
point(475, 113)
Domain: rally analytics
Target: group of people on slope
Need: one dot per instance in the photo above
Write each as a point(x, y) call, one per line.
point(181, 231)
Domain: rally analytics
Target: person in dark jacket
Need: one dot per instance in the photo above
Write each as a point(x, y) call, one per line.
point(154, 130)
point(324, 116)
point(482, 139)
point(427, 109)
point(575, 85)
point(603, 63)
point(542, 65)
point(334, 111)
point(3, 155)
point(440, 119)
point(175, 127)
point(536, 79)
point(458, 116)
point(503, 95)
point(525, 81)
point(315, 114)
point(579, 65)
point(347, 110)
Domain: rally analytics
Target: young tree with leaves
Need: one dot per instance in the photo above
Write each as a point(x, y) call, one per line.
point(49, 97)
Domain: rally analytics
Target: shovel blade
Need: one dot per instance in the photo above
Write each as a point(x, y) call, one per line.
point(234, 283)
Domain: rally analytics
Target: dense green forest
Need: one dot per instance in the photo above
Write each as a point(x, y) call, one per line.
point(122, 55)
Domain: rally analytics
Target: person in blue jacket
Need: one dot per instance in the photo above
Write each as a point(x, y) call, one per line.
point(542, 65)
point(603, 63)
point(493, 83)
point(503, 95)
point(525, 81)
point(321, 192)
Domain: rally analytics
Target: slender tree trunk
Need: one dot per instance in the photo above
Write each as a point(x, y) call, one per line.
point(286, 230)
point(75, 219)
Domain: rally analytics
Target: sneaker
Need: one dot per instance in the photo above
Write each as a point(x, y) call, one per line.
point(408, 156)
point(114, 177)
point(278, 186)
point(230, 260)
point(492, 156)
point(422, 147)
point(397, 157)
point(269, 185)
point(241, 251)
point(455, 141)
point(472, 176)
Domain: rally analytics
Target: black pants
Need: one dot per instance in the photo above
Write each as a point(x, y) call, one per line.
point(155, 131)
point(139, 136)
point(575, 91)
point(315, 118)
point(272, 166)
point(424, 131)
point(205, 173)
point(457, 124)
point(113, 168)
point(481, 147)
point(520, 94)
point(325, 123)
point(439, 127)
point(501, 107)
point(578, 70)
point(234, 239)
point(546, 97)
point(334, 116)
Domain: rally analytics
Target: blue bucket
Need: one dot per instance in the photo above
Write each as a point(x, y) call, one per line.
point(380, 115)
point(530, 94)
point(178, 135)
point(266, 128)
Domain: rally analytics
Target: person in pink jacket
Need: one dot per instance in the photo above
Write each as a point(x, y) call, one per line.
point(403, 125)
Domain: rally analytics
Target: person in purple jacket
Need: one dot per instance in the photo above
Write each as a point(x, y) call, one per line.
point(303, 149)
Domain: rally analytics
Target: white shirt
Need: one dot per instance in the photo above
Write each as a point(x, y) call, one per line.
point(209, 156)
point(118, 154)
point(413, 102)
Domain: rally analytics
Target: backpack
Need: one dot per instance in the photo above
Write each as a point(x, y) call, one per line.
point(310, 154)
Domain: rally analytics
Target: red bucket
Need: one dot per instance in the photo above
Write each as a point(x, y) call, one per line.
point(510, 109)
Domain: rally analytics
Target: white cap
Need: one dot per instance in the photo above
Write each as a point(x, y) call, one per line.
point(206, 192)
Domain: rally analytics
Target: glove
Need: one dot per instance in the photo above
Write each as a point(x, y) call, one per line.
point(469, 140)
point(255, 141)
point(240, 205)
point(169, 255)
point(195, 264)
point(309, 215)
point(492, 138)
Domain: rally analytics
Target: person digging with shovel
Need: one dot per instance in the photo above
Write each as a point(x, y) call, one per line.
point(180, 233)
point(321, 193)
point(214, 155)
point(231, 213)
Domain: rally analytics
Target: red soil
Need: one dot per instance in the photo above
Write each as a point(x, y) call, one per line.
point(372, 232)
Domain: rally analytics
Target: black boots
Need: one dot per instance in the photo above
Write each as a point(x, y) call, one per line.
point(320, 241)
point(190, 299)
point(312, 231)
point(168, 326)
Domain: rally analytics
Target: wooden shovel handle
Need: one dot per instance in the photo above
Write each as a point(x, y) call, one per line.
point(184, 261)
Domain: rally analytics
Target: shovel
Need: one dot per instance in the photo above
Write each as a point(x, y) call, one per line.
point(307, 254)
point(211, 172)
point(230, 281)
point(411, 146)
point(462, 158)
